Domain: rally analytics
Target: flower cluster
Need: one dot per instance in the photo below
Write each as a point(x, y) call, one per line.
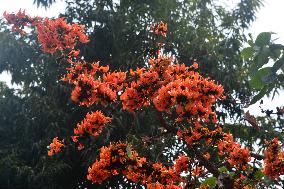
point(191, 96)
point(59, 35)
point(55, 146)
point(53, 35)
point(170, 85)
point(140, 91)
point(113, 161)
point(19, 21)
point(236, 156)
point(93, 83)
point(164, 84)
point(120, 158)
point(160, 28)
point(274, 159)
point(88, 91)
point(93, 124)
point(197, 133)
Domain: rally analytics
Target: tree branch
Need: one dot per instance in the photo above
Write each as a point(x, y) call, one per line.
point(164, 124)
point(207, 164)
point(257, 156)
point(204, 162)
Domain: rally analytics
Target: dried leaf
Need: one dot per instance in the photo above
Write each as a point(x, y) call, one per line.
point(252, 120)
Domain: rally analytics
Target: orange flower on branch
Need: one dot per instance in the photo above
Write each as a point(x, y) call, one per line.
point(59, 35)
point(80, 68)
point(236, 156)
point(120, 158)
point(53, 35)
point(115, 79)
point(160, 28)
point(20, 20)
point(274, 159)
point(93, 124)
point(55, 147)
point(252, 120)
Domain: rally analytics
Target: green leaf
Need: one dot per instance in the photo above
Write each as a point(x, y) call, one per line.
point(258, 175)
point(269, 78)
point(280, 78)
point(251, 43)
point(223, 169)
point(128, 151)
point(247, 53)
point(276, 47)
point(263, 39)
point(275, 54)
point(257, 81)
point(211, 181)
point(278, 64)
point(262, 57)
point(257, 97)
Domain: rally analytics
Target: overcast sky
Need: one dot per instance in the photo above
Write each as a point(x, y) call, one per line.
point(31, 9)
point(269, 18)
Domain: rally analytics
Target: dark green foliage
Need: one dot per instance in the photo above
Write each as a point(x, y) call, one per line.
point(32, 116)
point(268, 78)
point(44, 3)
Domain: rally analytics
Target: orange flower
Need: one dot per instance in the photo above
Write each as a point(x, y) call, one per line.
point(274, 159)
point(104, 69)
point(19, 21)
point(236, 156)
point(55, 146)
point(160, 28)
point(121, 158)
point(80, 146)
point(206, 156)
point(194, 65)
point(93, 124)
point(59, 35)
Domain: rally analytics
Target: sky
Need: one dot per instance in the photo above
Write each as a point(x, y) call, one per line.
point(269, 18)
point(31, 9)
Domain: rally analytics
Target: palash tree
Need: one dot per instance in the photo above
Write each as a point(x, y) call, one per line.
point(178, 102)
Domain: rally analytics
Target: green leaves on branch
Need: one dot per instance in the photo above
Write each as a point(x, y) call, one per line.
point(258, 175)
point(44, 3)
point(261, 93)
point(247, 53)
point(259, 79)
point(264, 79)
point(223, 169)
point(128, 151)
point(211, 181)
point(263, 39)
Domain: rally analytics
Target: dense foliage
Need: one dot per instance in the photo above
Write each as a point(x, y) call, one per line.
point(265, 78)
